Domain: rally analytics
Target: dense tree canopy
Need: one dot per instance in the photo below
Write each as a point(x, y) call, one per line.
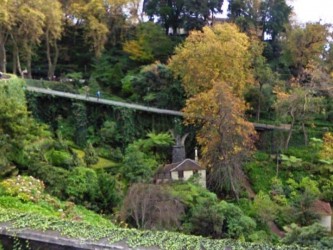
point(186, 14)
point(221, 54)
point(303, 45)
point(214, 78)
point(263, 17)
point(223, 74)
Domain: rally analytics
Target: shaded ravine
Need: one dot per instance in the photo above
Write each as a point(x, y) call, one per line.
point(104, 101)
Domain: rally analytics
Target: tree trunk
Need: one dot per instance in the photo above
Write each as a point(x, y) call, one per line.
point(259, 103)
point(55, 57)
point(305, 134)
point(52, 62)
point(231, 179)
point(29, 52)
point(48, 56)
point(3, 58)
point(17, 62)
point(16, 58)
point(14, 71)
point(291, 130)
point(258, 110)
point(304, 115)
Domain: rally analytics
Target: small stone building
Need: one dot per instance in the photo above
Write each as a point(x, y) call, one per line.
point(180, 171)
point(181, 168)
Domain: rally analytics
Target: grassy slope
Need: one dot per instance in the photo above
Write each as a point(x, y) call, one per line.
point(102, 162)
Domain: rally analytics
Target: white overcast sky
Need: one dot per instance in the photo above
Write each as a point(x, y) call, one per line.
point(313, 10)
point(308, 10)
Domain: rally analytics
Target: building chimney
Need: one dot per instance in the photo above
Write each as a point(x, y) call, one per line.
point(196, 158)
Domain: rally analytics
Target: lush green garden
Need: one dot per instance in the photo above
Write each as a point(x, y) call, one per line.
point(87, 169)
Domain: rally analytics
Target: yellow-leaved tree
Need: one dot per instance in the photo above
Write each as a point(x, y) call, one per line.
point(214, 65)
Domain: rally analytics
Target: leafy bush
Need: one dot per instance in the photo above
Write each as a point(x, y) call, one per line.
point(330, 116)
point(192, 194)
point(260, 171)
point(220, 220)
point(326, 185)
point(137, 166)
point(90, 156)
point(59, 158)
point(25, 187)
point(82, 186)
point(311, 236)
point(290, 161)
point(110, 192)
point(53, 177)
point(306, 154)
point(134, 238)
point(264, 207)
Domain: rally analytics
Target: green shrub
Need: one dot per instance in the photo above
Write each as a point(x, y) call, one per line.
point(326, 185)
point(24, 187)
point(311, 236)
point(265, 209)
point(304, 153)
point(220, 220)
point(53, 177)
point(259, 236)
point(59, 158)
point(110, 192)
point(330, 116)
point(261, 156)
point(82, 186)
point(90, 156)
point(260, 172)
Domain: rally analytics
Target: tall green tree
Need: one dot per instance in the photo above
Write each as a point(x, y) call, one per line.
point(141, 158)
point(29, 23)
point(81, 123)
point(298, 107)
point(155, 85)
point(264, 17)
point(260, 95)
point(150, 44)
point(92, 14)
point(187, 14)
point(303, 45)
point(275, 17)
point(52, 32)
point(6, 22)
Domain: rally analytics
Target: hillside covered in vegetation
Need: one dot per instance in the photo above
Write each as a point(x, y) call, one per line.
point(90, 170)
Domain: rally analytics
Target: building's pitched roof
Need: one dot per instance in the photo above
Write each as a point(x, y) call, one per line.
point(184, 165)
point(187, 164)
point(322, 208)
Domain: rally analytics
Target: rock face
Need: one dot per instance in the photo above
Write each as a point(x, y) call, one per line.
point(178, 153)
point(178, 150)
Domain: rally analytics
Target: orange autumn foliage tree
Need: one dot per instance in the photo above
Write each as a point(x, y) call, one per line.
point(214, 67)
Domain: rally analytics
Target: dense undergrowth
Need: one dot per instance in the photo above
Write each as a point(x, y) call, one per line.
point(93, 230)
point(286, 183)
